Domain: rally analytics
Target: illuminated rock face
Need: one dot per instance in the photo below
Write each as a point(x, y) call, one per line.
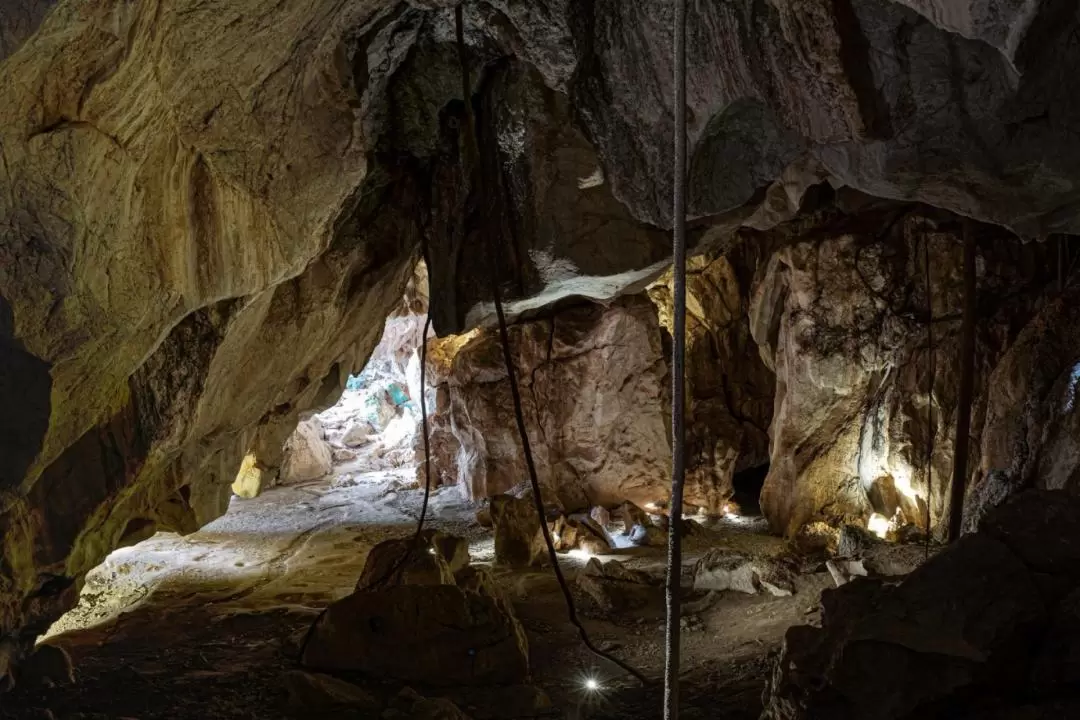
point(593, 387)
point(192, 259)
point(843, 320)
point(729, 388)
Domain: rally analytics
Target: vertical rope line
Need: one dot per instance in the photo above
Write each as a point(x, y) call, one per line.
point(678, 376)
point(930, 389)
point(504, 338)
point(967, 387)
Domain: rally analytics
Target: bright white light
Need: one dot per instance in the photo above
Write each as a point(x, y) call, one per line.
point(651, 506)
point(594, 180)
point(399, 430)
point(555, 537)
point(578, 553)
point(878, 524)
point(592, 684)
point(902, 482)
point(431, 551)
point(727, 509)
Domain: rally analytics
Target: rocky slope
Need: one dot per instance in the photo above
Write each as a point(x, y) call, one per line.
point(208, 208)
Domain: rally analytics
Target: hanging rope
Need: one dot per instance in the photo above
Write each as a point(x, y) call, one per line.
point(515, 393)
point(930, 389)
point(967, 387)
point(678, 379)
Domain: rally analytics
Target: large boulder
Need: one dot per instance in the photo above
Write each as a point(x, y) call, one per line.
point(723, 569)
point(615, 588)
point(430, 635)
point(592, 384)
point(519, 541)
point(307, 454)
point(387, 564)
point(966, 635)
point(580, 532)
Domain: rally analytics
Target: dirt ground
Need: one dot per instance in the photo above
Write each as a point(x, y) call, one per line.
point(204, 626)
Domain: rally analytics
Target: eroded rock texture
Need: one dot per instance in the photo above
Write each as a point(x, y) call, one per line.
point(988, 628)
point(845, 322)
point(593, 388)
point(209, 207)
point(729, 388)
point(1031, 436)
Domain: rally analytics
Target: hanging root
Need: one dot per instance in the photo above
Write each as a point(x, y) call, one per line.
point(472, 145)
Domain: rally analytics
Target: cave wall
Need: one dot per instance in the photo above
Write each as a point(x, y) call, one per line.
point(209, 207)
point(843, 318)
point(1031, 436)
point(187, 265)
point(729, 389)
point(593, 382)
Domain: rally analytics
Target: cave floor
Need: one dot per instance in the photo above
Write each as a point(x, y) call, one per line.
point(204, 626)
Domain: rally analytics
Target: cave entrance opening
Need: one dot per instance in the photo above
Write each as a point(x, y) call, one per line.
point(296, 537)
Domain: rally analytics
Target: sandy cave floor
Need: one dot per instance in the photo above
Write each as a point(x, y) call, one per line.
point(204, 626)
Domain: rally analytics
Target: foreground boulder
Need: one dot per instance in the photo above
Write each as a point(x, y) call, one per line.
point(964, 636)
point(614, 587)
point(316, 694)
point(580, 532)
point(518, 540)
point(428, 635)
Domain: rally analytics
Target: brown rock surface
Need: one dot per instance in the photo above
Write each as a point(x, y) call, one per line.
point(729, 389)
point(592, 385)
point(315, 694)
point(191, 260)
point(307, 454)
point(1032, 421)
point(963, 636)
point(432, 635)
point(385, 566)
point(519, 541)
point(843, 321)
point(176, 268)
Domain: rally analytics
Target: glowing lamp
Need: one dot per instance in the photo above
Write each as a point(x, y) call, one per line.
point(878, 524)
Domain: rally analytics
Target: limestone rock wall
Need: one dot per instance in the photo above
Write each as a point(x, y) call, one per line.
point(208, 207)
point(843, 320)
point(1031, 434)
point(593, 385)
point(186, 265)
point(729, 388)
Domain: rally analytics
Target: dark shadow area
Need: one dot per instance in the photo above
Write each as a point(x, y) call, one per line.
point(748, 484)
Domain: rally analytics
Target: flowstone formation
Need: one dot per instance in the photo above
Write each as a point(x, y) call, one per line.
point(192, 259)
